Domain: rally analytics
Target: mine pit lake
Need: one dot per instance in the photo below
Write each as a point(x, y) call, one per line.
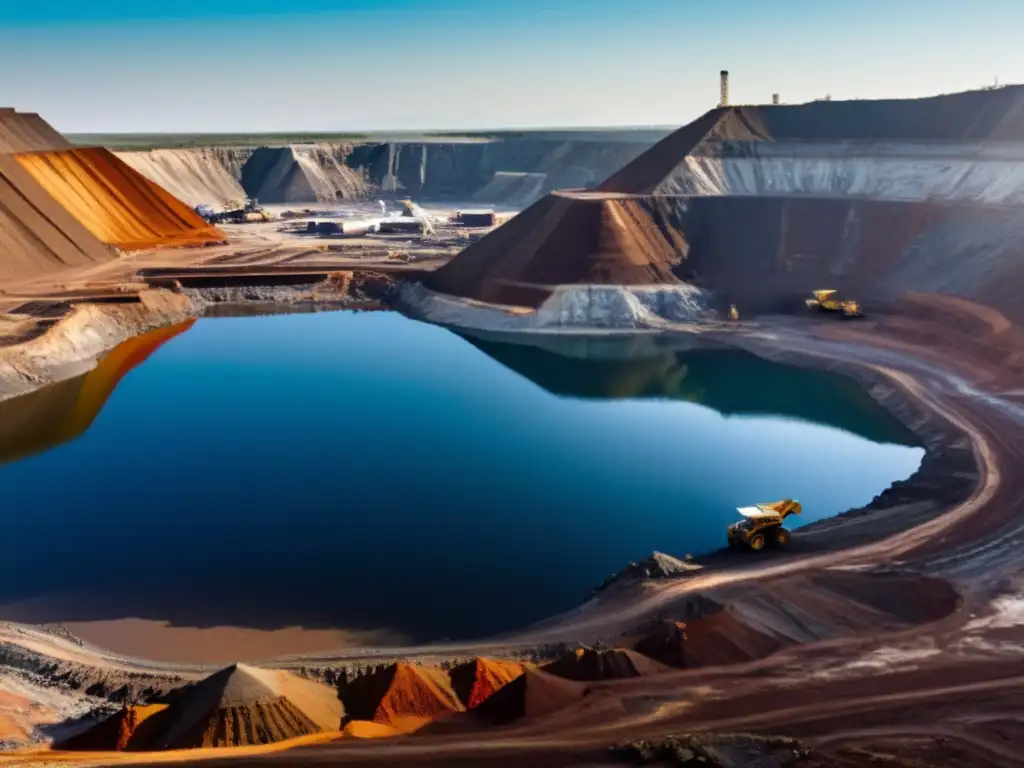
point(365, 471)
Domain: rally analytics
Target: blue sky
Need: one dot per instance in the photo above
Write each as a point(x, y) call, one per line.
point(319, 65)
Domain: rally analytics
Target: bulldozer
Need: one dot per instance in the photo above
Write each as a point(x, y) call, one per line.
point(761, 525)
point(826, 301)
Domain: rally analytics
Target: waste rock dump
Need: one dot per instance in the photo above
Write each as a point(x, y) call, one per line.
point(565, 238)
point(37, 234)
point(878, 198)
point(573, 259)
point(476, 681)
point(203, 175)
point(404, 696)
point(62, 206)
point(114, 202)
point(237, 706)
point(763, 205)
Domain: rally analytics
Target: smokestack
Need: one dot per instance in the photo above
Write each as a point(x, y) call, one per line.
point(775, 98)
point(723, 100)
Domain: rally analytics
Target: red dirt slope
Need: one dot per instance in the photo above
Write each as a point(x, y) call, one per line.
point(476, 680)
point(565, 238)
point(132, 725)
point(588, 664)
point(531, 695)
point(666, 643)
point(116, 203)
point(405, 696)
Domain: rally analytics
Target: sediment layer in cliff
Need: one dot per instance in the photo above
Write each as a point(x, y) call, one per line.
point(201, 176)
point(513, 171)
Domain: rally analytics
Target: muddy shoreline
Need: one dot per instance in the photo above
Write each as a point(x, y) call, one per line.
point(75, 342)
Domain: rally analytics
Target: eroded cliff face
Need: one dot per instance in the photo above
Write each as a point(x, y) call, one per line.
point(513, 171)
point(766, 250)
point(963, 172)
point(210, 176)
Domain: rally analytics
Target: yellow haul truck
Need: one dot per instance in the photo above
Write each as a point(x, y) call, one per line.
point(826, 301)
point(761, 525)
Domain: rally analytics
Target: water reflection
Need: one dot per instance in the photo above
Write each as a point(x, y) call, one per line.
point(61, 412)
point(730, 381)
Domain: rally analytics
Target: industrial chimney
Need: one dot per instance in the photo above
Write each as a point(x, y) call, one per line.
point(775, 98)
point(723, 100)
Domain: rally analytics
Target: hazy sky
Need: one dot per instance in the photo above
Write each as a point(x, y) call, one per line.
point(320, 65)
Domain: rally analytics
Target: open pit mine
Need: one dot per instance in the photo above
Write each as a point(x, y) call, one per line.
point(890, 633)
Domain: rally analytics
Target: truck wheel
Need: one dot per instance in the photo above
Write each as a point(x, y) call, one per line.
point(756, 542)
point(781, 537)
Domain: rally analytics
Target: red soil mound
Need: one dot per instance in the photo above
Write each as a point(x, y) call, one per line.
point(123, 730)
point(717, 637)
point(721, 638)
point(243, 705)
point(117, 204)
point(563, 239)
point(477, 680)
point(531, 695)
point(405, 696)
point(588, 664)
point(665, 643)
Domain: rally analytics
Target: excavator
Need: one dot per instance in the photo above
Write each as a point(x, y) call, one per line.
point(761, 525)
point(242, 211)
point(826, 301)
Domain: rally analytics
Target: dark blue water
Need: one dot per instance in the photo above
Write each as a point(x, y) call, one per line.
point(368, 471)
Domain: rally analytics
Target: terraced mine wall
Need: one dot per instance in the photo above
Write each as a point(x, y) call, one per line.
point(878, 198)
point(761, 205)
point(513, 171)
point(766, 221)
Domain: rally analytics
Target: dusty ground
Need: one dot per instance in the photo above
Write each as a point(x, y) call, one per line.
point(28, 307)
point(895, 630)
